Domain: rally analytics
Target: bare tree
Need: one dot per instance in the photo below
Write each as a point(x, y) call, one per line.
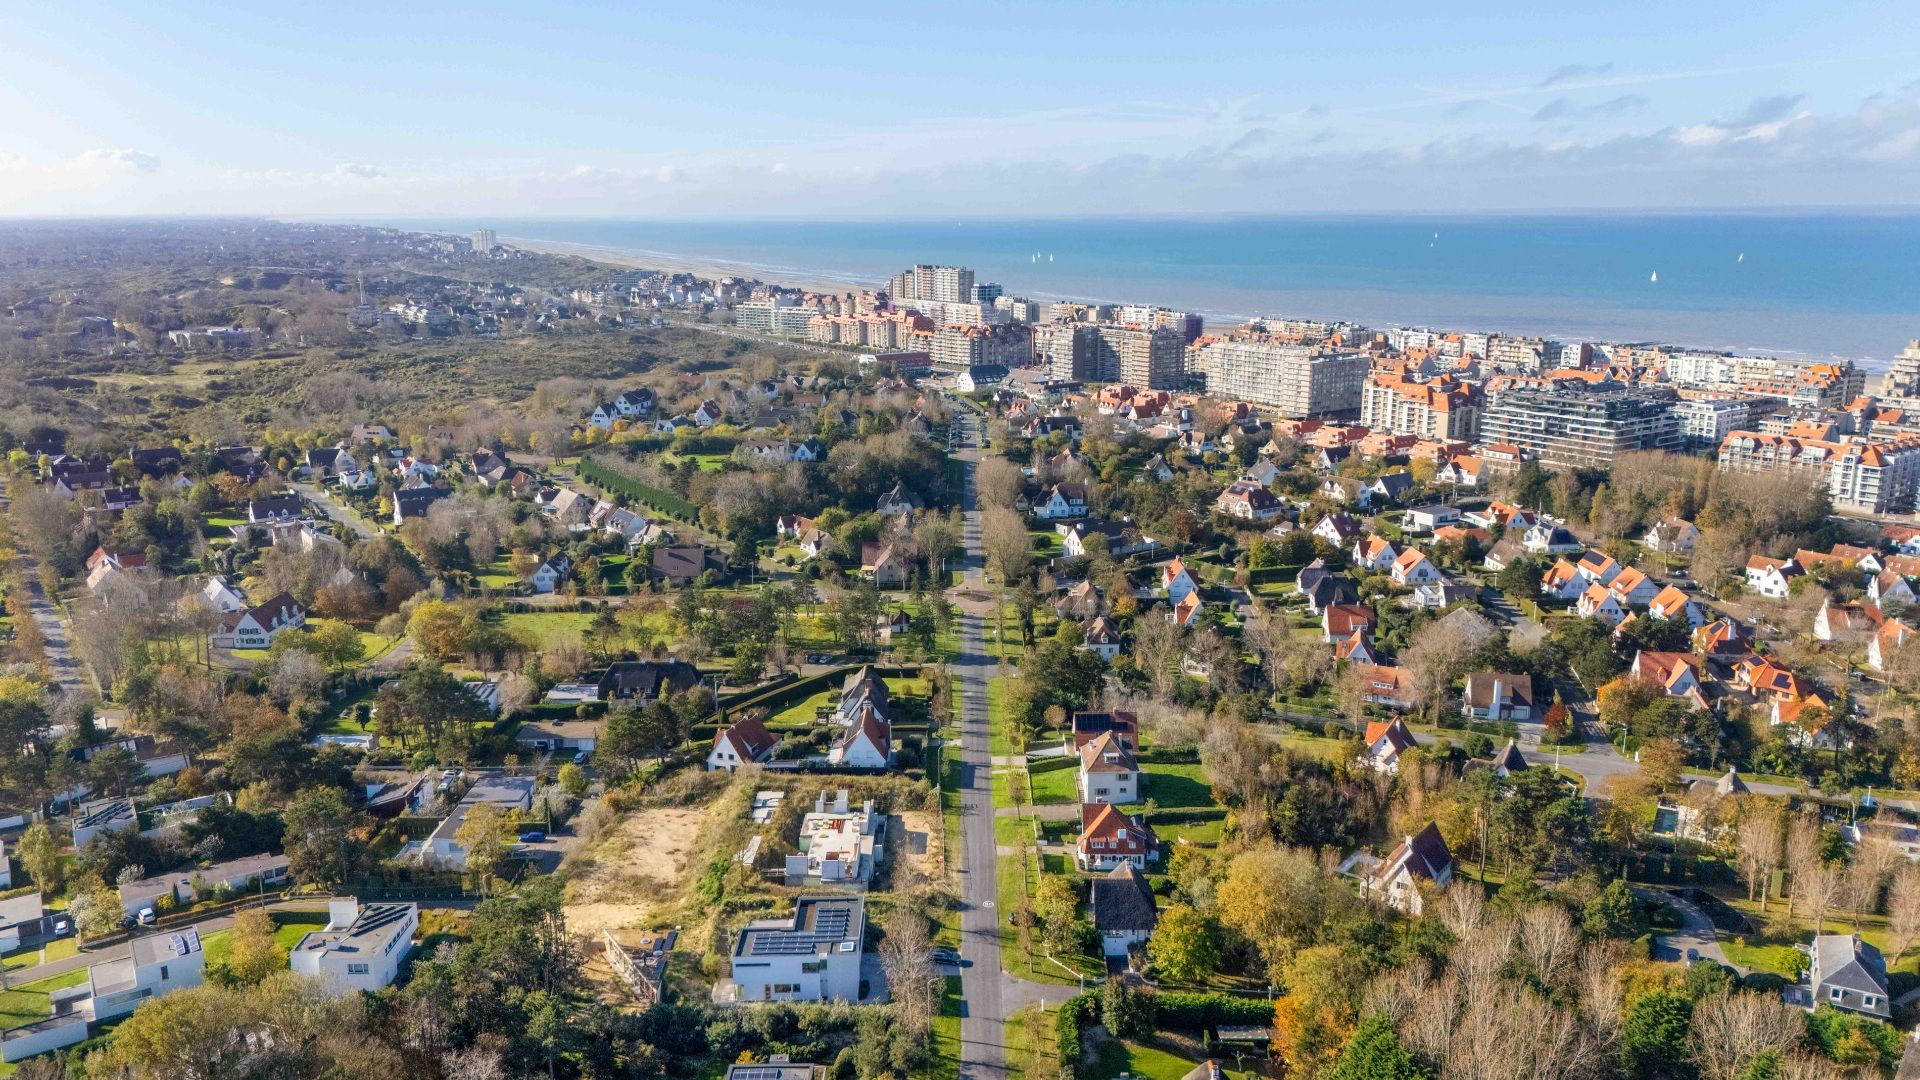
point(1009, 549)
point(1873, 861)
point(1760, 847)
point(1730, 1030)
point(906, 953)
point(1903, 910)
point(999, 482)
point(1802, 852)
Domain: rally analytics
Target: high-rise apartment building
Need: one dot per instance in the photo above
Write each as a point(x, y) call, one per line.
point(1441, 409)
point(1903, 375)
point(986, 293)
point(1527, 354)
point(1873, 478)
point(1708, 421)
point(1581, 428)
point(945, 284)
point(484, 241)
point(1804, 384)
point(1148, 359)
point(960, 347)
point(1297, 381)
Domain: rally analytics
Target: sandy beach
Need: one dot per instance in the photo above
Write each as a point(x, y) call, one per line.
point(706, 268)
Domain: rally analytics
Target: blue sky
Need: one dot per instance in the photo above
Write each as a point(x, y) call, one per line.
point(957, 109)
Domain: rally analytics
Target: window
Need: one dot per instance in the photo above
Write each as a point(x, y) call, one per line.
point(1868, 1001)
point(163, 973)
point(1836, 993)
point(356, 969)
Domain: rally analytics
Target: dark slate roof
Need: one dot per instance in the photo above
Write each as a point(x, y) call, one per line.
point(647, 678)
point(413, 502)
point(1332, 590)
point(1123, 901)
point(1845, 960)
point(1510, 757)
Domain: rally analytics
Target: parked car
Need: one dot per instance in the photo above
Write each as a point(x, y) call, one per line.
point(146, 915)
point(62, 926)
point(533, 836)
point(946, 957)
point(582, 757)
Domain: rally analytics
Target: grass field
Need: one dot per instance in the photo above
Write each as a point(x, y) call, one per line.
point(549, 628)
point(1056, 786)
point(946, 1032)
point(1112, 1058)
point(28, 1002)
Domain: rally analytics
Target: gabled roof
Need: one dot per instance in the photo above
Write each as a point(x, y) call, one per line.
point(1424, 855)
point(749, 738)
point(1392, 733)
point(1094, 757)
point(1123, 902)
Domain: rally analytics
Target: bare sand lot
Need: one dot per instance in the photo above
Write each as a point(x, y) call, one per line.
point(636, 869)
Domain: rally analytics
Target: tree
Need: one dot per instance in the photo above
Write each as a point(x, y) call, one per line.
point(1903, 911)
point(906, 953)
point(1126, 1012)
point(320, 844)
point(40, 855)
point(256, 954)
point(1614, 913)
point(1653, 1035)
point(482, 836)
point(338, 645)
point(1730, 1032)
point(1185, 945)
point(1057, 907)
point(1009, 548)
point(1374, 1052)
point(1760, 848)
point(573, 780)
point(95, 907)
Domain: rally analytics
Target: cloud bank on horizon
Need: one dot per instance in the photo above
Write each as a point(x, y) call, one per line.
point(596, 113)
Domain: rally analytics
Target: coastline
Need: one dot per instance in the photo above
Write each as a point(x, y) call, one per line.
point(629, 259)
point(1753, 328)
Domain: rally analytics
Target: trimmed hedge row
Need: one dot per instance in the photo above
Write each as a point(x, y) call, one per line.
point(1047, 765)
point(1198, 1012)
point(1079, 1010)
point(1273, 575)
point(665, 502)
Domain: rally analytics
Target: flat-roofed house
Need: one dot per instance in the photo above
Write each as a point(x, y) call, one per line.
point(811, 955)
point(362, 946)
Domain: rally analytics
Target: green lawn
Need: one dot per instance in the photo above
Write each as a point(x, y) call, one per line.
point(549, 628)
point(1779, 959)
point(1113, 1058)
point(1197, 831)
point(1056, 786)
point(999, 735)
point(946, 1032)
point(27, 1003)
point(1177, 786)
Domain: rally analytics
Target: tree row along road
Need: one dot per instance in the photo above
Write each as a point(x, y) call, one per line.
point(61, 666)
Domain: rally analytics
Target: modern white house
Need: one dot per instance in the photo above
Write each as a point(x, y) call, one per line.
point(186, 886)
point(19, 919)
point(100, 816)
point(839, 845)
point(155, 965)
point(362, 946)
point(811, 955)
point(506, 793)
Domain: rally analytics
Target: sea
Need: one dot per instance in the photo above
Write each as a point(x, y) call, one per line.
point(1795, 284)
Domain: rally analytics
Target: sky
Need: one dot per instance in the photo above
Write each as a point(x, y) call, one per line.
point(791, 111)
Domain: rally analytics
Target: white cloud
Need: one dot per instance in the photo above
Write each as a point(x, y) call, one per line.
point(138, 160)
point(363, 172)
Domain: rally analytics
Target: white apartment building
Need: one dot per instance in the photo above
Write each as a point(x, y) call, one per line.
point(1298, 381)
point(811, 955)
point(838, 844)
point(757, 316)
point(947, 284)
point(362, 947)
point(1708, 421)
point(1527, 353)
point(1876, 478)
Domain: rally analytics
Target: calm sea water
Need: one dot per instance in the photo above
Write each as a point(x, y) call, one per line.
point(1806, 284)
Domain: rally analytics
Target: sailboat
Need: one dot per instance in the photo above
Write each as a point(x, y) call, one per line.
point(1655, 278)
point(1049, 257)
point(1742, 258)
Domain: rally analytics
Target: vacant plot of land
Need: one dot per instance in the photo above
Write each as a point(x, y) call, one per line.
point(546, 629)
point(639, 864)
point(1176, 785)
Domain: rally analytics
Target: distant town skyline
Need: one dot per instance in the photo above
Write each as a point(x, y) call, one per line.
point(964, 110)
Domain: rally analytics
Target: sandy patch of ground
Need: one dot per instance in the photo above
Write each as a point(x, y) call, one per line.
point(638, 866)
point(920, 842)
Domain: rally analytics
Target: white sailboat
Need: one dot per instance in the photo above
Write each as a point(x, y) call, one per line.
point(1742, 258)
point(1655, 278)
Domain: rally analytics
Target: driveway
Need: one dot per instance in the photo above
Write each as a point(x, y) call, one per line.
point(1696, 932)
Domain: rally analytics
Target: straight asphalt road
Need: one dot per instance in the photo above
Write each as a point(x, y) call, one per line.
point(984, 1016)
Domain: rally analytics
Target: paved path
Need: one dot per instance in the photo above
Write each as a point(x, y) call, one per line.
point(334, 510)
point(61, 665)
